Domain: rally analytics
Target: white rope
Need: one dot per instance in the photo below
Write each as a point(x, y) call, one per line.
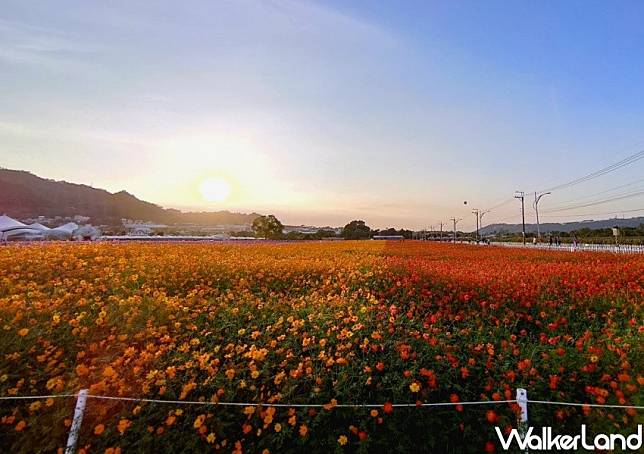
point(263, 404)
point(36, 397)
point(575, 404)
point(266, 404)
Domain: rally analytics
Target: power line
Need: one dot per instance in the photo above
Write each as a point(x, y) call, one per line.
point(603, 192)
point(594, 214)
point(611, 168)
point(598, 202)
point(496, 221)
point(500, 204)
point(626, 194)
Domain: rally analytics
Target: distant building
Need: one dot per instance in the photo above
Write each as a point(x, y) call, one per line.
point(303, 229)
point(80, 219)
point(141, 228)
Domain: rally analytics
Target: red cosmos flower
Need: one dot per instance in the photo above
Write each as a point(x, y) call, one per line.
point(489, 447)
point(454, 398)
point(624, 377)
point(524, 364)
point(388, 408)
point(554, 380)
point(491, 417)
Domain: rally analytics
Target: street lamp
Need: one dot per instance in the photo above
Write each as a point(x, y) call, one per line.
point(536, 209)
point(481, 214)
point(476, 212)
point(521, 196)
point(455, 221)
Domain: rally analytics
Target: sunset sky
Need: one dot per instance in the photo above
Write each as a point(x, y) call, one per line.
point(323, 112)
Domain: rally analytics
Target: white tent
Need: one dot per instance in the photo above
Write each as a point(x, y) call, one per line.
point(63, 232)
point(16, 230)
point(6, 222)
point(38, 226)
point(86, 232)
point(69, 227)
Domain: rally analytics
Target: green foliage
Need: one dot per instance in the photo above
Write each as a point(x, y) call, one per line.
point(356, 230)
point(392, 231)
point(268, 227)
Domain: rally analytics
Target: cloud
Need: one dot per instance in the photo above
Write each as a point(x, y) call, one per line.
point(25, 44)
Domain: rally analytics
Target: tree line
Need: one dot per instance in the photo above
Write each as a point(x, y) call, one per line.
point(270, 227)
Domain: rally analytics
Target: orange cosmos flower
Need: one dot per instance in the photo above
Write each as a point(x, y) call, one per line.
point(198, 422)
point(123, 425)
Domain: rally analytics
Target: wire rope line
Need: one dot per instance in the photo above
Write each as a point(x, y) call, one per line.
point(500, 204)
point(595, 214)
point(597, 202)
point(598, 173)
point(577, 404)
point(367, 405)
point(576, 199)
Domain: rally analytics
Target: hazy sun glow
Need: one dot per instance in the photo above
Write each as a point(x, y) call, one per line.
point(214, 189)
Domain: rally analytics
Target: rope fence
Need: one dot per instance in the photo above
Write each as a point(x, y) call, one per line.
point(585, 247)
point(266, 404)
point(82, 396)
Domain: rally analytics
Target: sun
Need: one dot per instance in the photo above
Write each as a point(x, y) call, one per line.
point(214, 189)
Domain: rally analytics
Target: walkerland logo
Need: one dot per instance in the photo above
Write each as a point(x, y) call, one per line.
point(546, 441)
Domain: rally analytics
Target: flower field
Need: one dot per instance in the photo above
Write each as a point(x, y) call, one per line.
point(313, 323)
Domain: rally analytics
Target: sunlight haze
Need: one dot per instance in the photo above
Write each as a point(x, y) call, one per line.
point(323, 112)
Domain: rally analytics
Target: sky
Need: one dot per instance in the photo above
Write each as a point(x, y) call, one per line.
point(325, 111)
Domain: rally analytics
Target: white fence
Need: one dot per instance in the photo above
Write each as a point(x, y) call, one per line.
point(617, 249)
point(82, 397)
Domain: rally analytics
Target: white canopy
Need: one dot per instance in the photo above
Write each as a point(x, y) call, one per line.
point(6, 222)
point(69, 227)
point(16, 230)
point(87, 232)
point(38, 226)
point(63, 232)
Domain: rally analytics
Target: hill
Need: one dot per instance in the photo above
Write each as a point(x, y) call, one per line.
point(25, 195)
point(563, 227)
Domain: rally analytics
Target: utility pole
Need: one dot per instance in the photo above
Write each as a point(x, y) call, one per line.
point(481, 218)
point(476, 212)
point(536, 209)
point(441, 237)
point(455, 221)
point(521, 195)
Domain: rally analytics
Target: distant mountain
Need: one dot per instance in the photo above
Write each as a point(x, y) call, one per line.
point(563, 227)
point(24, 195)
